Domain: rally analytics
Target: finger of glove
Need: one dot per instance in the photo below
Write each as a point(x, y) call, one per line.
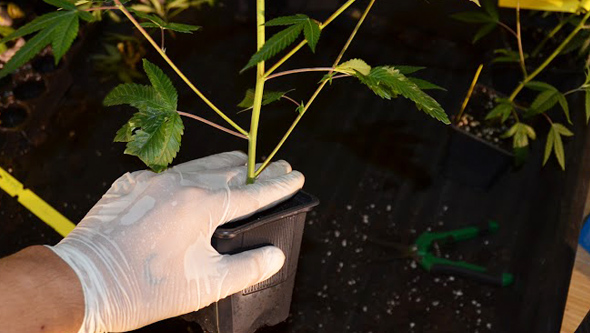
point(218, 161)
point(248, 199)
point(249, 268)
point(273, 170)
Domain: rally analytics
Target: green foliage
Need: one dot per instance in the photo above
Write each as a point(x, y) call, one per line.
point(267, 98)
point(57, 28)
point(154, 133)
point(548, 97)
point(353, 66)
point(502, 111)
point(507, 56)
point(281, 40)
point(555, 143)
point(387, 82)
point(520, 133)
point(407, 70)
point(489, 17)
point(587, 105)
point(425, 85)
point(157, 22)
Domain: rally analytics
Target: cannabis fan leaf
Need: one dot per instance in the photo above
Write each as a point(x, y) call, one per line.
point(57, 28)
point(154, 133)
point(388, 82)
point(555, 143)
point(278, 42)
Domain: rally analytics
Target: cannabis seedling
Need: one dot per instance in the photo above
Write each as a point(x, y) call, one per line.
point(154, 133)
point(548, 95)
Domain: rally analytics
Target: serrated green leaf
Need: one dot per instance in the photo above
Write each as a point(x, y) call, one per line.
point(86, 16)
point(558, 149)
point(473, 17)
point(511, 131)
point(587, 105)
point(564, 106)
point(407, 70)
point(544, 101)
point(354, 65)
point(267, 98)
point(485, 30)
point(548, 146)
point(388, 82)
point(562, 129)
point(540, 86)
point(311, 32)
point(61, 4)
point(137, 95)
point(64, 34)
point(149, 25)
point(182, 28)
point(158, 139)
point(287, 20)
point(125, 133)
point(28, 51)
point(41, 22)
point(502, 111)
point(274, 45)
point(425, 85)
point(162, 85)
point(520, 134)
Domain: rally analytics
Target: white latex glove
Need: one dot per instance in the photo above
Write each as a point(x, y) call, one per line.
point(143, 253)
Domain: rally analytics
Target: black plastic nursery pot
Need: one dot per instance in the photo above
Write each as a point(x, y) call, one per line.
point(267, 303)
point(474, 161)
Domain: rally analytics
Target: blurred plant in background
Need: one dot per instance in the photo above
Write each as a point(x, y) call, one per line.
point(570, 34)
point(123, 54)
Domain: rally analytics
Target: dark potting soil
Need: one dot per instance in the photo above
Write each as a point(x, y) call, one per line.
point(473, 121)
point(375, 166)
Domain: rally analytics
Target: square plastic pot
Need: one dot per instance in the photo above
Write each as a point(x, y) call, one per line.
point(267, 303)
point(473, 161)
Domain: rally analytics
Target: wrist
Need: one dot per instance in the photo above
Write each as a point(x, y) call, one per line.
point(42, 291)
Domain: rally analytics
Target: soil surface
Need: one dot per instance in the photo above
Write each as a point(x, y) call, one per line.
point(482, 101)
point(375, 166)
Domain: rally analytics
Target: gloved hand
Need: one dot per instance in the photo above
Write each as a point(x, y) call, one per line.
point(143, 253)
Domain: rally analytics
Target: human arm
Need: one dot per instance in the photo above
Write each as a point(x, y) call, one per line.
point(143, 253)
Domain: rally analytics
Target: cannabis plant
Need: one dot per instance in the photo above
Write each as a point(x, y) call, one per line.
point(154, 132)
point(548, 97)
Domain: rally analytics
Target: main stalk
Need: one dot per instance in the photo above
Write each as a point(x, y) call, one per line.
point(258, 92)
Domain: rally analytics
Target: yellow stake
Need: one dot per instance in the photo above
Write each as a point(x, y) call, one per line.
point(35, 204)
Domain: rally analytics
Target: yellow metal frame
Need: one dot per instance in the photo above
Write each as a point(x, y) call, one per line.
point(570, 6)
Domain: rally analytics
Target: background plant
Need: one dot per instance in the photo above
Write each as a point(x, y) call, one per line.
point(154, 132)
point(548, 97)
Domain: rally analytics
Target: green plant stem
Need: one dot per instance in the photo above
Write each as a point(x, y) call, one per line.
point(317, 92)
point(550, 58)
point(302, 43)
point(301, 70)
point(212, 124)
point(291, 100)
point(509, 29)
point(548, 119)
point(258, 93)
point(175, 68)
point(519, 40)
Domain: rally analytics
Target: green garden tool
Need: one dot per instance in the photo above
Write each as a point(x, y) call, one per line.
point(420, 251)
